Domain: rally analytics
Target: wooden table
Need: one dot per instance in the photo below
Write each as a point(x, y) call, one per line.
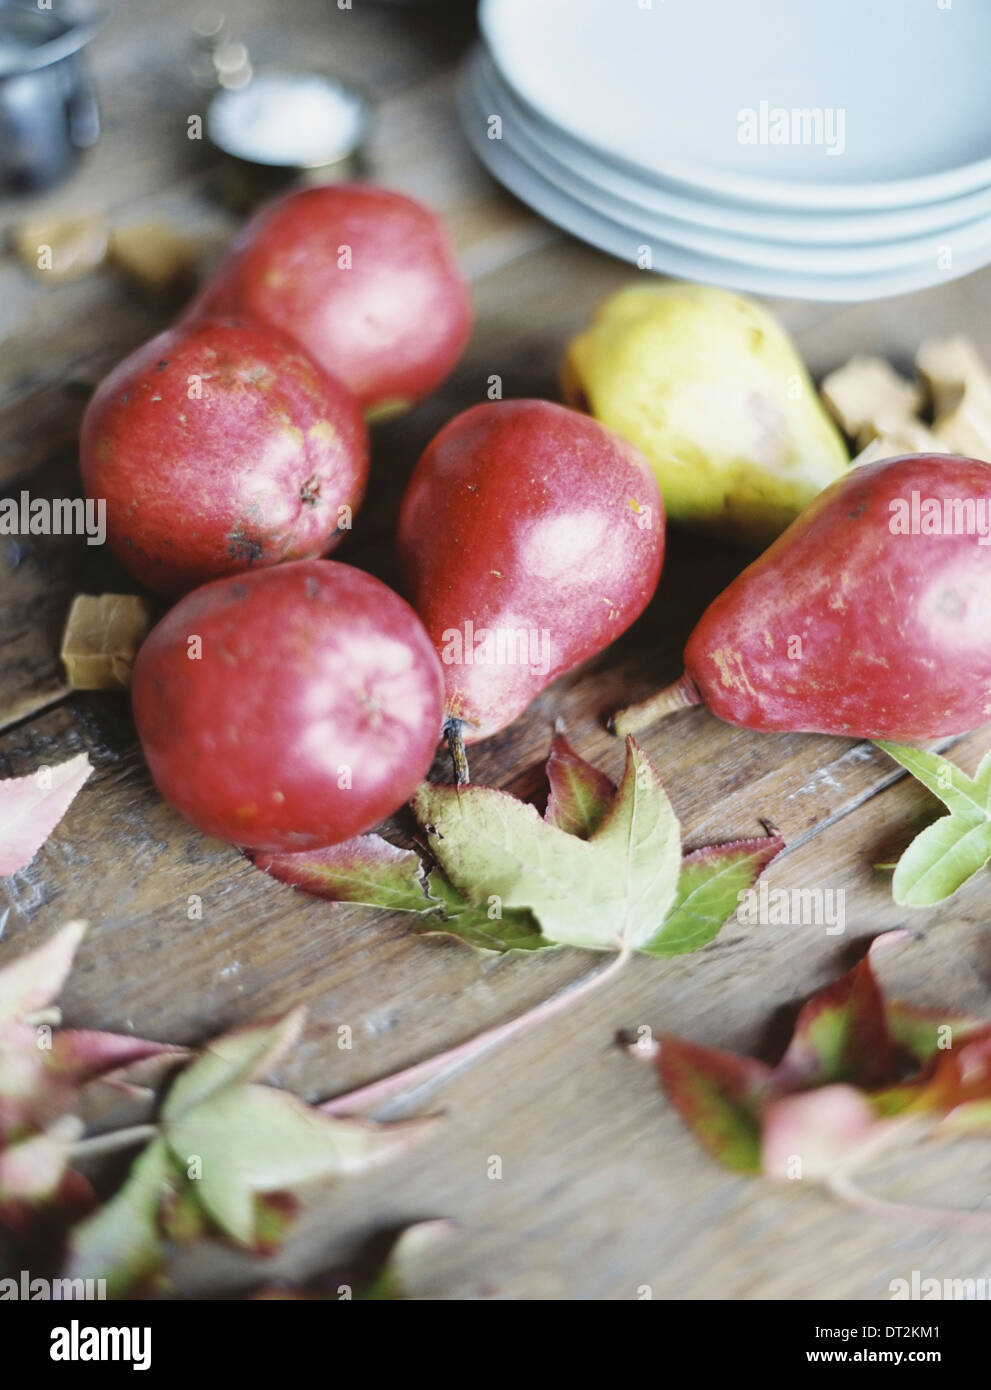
point(602, 1190)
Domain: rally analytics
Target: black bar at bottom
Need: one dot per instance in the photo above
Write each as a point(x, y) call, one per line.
point(304, 1337)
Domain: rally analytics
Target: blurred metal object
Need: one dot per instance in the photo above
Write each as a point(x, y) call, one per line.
point(48, 110)
point(275, 125)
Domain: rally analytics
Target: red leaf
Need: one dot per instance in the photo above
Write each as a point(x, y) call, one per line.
point(31, 807)
point(763, 848)
point(960, 1078)
point(580, 794)
point(719, 1096)
point(841, 1035)
point(810, 1134)
point(364, 870)
point(79, 1055)
point(837, 1091)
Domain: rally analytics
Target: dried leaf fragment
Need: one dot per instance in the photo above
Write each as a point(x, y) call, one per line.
point(31, 807)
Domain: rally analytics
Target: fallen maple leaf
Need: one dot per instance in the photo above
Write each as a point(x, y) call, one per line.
point(31, 807)
point(859, 1073)
point(219, 1152)
point(224, 1146)
point(43, 1070)
point(602, 869)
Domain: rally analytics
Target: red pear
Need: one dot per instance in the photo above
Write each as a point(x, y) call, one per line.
point(870, 617)
point(530, 537)
point(363, 278)
point(289, 708)
point(220, 447)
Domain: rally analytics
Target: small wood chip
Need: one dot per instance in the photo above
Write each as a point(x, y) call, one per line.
point(867, 391)
point(966, 429)
point(101, 639)
point(62, 248)
point(910, 438)
point(915, 437)
point(949, 367)
point(154, 256)
point(959, 386)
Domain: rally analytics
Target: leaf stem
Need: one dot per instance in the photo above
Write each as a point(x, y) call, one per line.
point(841, 1183)
point(445, 1064)
point(111, 1141)
point(456, 743)
point(682, 694)
point(842, 1186)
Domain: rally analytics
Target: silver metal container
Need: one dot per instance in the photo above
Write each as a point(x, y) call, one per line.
point(48, 110)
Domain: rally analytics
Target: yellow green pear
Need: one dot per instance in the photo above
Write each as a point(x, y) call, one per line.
point(709, 386)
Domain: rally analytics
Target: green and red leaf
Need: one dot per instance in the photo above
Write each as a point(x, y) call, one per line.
point(840, 1089)
point(711, 885)
point(367, 870)
point(841, 1035)
point(580, 795)
point(720, 1096)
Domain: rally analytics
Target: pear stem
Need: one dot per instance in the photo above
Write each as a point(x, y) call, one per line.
point(682, 694)
point(414, 1079)
point(456, 743)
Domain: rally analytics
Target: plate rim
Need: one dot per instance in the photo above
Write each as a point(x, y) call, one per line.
point(718, 271)
point(881, 194)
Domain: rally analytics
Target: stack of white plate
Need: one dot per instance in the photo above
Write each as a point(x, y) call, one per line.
point(822, 149)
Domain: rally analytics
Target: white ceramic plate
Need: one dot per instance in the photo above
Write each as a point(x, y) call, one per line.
point(764, 222)
point(664, 87)
point(965, 239)
point(626, 242)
